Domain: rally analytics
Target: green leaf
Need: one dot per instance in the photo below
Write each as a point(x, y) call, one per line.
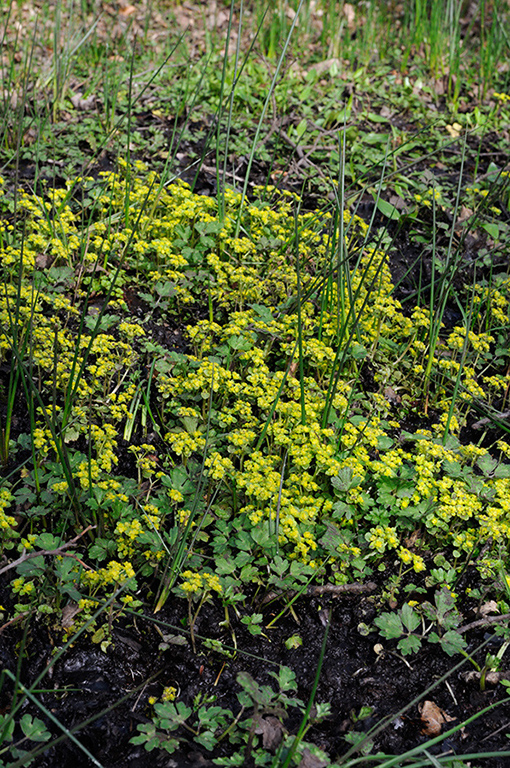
point(169, 745)
point(502, 471)
point(358, 351)
point(445, 602)
point(410, 618)
point(345, 479)
point(375, 118)
point(286, 678)
point(492, 229)
point(390, 625)
point(280, 565)
point(249, 573)
point(487, 464)
point(492, 171)
point(250, 685)
point(48, 541)
point(152, 744)
point(252, 622)
point(6, 727)
point(384, 443)
point(224, 566)
point(99, 635)
point(263, 312)
point(34, 567)
point(262, 537)
point(295, 641)
point(176, 714)
point(243, 558)
point(408, 645)
point(301, 127)
point(452, 468)
point(207, 739)
point(239, 342)
point(34, 729)
point(452, 642)
point(388, 210)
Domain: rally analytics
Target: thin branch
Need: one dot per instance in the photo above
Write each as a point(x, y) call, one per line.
point(483, 622)
point(42, 552)
point(325, 589)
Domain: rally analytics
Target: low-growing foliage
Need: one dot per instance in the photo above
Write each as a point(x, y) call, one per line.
point(245, 396)
point(279, 480)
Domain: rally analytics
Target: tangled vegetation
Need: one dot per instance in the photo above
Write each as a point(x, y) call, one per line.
point(260, 445)
point(254, 349)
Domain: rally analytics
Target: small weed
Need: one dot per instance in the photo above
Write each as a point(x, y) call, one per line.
point(444, 619)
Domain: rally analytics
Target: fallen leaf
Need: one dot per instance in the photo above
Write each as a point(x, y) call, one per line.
point(440, 86)
point(69, 611)
point(326, 65)
point(311, 761)
point(464, 213)
point(127, 10)
point(271, 730)
point(43, 260)
point(491, 678)
point(85, 105)
point(392, 396)
point(385, 111)
point(490, 606)
point(433, 718)
point(412, 539)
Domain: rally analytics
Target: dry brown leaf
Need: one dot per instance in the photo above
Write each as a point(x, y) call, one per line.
point(385, 111)
point(464, 213)
point(85, 105)
point(69, 611)
point(392, 396)
point(440, 86)
point(490, 606)
point(433, 718)
point(293, 369)
point(43, 260)
point(311, 761)
point(271, 730)
point(127, 10)
point(491, 678)
point(412, 539)
point(326, 65)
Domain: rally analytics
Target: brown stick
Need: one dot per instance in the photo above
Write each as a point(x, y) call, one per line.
point(59, 551)
point(326, 589)
point(483, 622)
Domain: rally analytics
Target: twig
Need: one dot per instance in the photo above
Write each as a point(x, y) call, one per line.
point(42, 552)
point(14, 620)
point(491, 419)
point(293, 144)
point(483, 622)
point(325, 589)
point(338, 589)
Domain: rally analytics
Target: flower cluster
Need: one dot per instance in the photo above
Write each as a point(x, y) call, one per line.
point(293, 450)
point(200, 582)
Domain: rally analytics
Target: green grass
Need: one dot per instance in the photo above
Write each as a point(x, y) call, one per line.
point(322, 418)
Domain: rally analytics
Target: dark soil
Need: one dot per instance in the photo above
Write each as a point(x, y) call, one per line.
point(112, 688)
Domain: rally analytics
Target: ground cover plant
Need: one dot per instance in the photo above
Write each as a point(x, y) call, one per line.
point(254, 373)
